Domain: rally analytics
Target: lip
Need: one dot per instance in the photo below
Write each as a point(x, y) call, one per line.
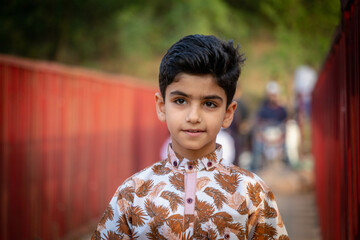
point(193, 132)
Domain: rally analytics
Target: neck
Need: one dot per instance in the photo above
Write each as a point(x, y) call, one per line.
point(193, 154)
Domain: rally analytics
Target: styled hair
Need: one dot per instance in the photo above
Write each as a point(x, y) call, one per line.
point(202, 54)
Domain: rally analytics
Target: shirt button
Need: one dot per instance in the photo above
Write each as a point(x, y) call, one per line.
point(175, 163)
point(189, 200)
point(209, 164)
point(227, 236)
point(190, 167)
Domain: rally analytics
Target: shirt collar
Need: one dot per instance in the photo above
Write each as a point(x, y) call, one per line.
point(208, 162)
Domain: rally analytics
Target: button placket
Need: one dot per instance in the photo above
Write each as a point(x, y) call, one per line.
point(190, 190)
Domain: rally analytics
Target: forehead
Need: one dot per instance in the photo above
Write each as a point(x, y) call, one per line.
point(196, 85)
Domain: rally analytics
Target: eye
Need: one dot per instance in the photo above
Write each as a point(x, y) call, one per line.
point(210, 104)
point(180, 101)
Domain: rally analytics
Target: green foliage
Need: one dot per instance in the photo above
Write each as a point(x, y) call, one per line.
point(102, 33)
point(151, 28)
point(41, 28)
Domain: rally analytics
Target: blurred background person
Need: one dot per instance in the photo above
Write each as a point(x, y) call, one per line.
point(269, 129)
point(240, 131)
point(304, 81)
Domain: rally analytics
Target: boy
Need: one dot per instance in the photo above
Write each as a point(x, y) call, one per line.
point(194, 193)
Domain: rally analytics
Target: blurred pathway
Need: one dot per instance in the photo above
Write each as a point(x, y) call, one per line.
point(295, 196)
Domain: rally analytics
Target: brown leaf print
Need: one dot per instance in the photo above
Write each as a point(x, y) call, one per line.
point(264, 231)
point(235, 200)
point(136, 216)
point(217, 195)
point(160, 169)
point(174, 199)
point(247, 226)
point(134, 234)
point(228, 182)
point(269, 212)
point(242, 171)
point(254, 217)
point(210, 229)
point(222, 169)
point(122, 226)
point(96, 235)
point(264, 186)
point(156, 190)
point(212, 235)
point(202, 182)
point(111, 235)
point(127, 194)
point(144, 189)
point(254, 193)
point(270, 195)
point(243, 209)
point(154, 233)
point(237, 229)
point(157, 213)
point(188, 221)
point(199, 233)
point(187, 236)
point(203, 210)
point(175, 222)
point(212, 157)
point(108, 215)
point(166, 232)
point(138, 182)
point(284, 237)
point(194, 163)
point(177, 180)
point(123, 205)
point(221, 220)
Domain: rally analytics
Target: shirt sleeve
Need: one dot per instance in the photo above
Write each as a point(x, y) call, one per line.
point(114, 223)
point(266, 221)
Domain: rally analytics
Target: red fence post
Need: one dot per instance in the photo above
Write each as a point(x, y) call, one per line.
point(335, 125)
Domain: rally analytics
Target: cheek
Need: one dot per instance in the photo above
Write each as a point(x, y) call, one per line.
point(173, 119)
point(215, 122)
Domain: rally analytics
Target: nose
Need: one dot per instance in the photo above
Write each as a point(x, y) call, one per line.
point(193, 115)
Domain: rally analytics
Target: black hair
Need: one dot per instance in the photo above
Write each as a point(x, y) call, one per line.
point(202, 54)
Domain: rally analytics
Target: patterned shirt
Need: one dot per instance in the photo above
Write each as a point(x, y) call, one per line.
point(207, 198)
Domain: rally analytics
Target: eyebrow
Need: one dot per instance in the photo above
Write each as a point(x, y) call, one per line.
point(179, 93)
point(209, 97)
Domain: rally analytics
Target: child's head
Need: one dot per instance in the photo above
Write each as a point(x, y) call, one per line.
point(198, 77)
point(200, 55)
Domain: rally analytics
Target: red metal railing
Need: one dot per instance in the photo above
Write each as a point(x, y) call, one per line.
point(335, 126)
point(68, 138)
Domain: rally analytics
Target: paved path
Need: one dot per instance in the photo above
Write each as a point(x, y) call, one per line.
point(299, 215)
point(295, 196)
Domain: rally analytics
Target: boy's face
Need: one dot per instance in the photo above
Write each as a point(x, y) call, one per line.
point(194, 110)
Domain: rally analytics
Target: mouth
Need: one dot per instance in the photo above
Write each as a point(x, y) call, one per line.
point(193, 132)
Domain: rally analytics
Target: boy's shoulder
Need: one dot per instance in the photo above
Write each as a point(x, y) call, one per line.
point(151, 172)
point(250, 179)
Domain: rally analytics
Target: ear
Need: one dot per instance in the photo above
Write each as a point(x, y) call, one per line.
point(160, 107)
point(229, 114)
